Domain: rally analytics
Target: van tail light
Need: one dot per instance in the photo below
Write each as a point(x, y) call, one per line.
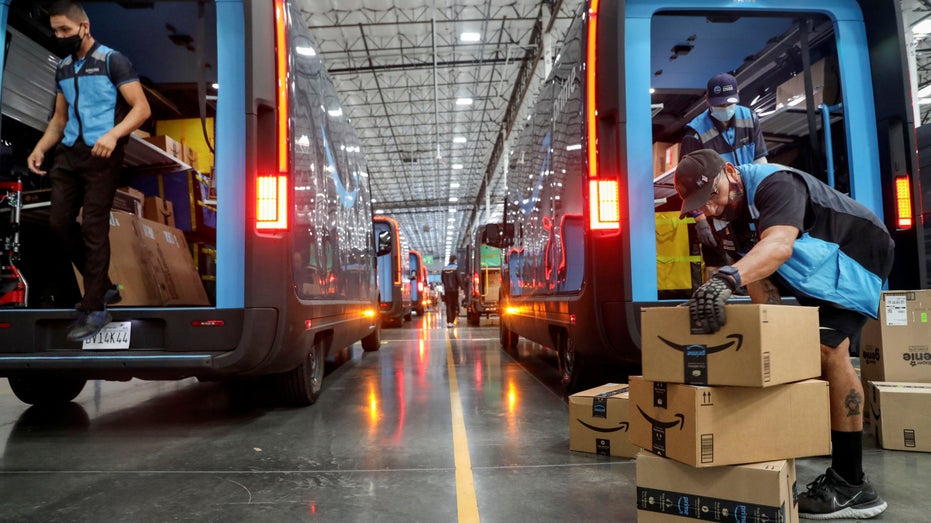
point(271, 201)
point(903, 202)
point(604, 206)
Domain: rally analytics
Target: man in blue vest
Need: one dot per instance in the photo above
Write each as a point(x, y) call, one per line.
point(790, 232)
point(99, 103)
point(728, 128)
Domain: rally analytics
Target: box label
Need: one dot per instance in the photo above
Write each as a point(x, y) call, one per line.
point(706, 508)
point(600, 402)
point(603, 446)
point(896, 310)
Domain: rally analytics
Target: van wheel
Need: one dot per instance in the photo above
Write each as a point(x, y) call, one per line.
point(508, 339)
point(46, 390)
point(372, 342)
point(301, 387)
point(571, 365)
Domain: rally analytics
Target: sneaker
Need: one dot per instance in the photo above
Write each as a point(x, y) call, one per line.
point(830, 497)
point(88, 325)
point(111, 297)
point(449, 324)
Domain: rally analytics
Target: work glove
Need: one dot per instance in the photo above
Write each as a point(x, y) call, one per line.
point(703, 230)
point(706, 307)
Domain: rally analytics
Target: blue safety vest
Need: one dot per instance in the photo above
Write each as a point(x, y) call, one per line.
point(845, 254)
point(736, 144)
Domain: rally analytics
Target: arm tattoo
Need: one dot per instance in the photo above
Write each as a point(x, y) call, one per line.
point(771, 292)
point(853, 401)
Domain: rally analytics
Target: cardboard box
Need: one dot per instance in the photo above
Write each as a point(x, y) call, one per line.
point(669, 492)
point(141, 134)
point(824, 81)
point(672, 156)
point(167, 144)
point(714, 426)
point(897, 346)
point(598, 421)
point(659, 157)
point(130, 264)
point(179, 281)
point(190, 156)
point(158, 210)
point(128, 200)
point(759, 346)
point(900, 411)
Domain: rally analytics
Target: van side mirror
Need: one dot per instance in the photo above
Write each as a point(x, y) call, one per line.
point(499, 235)
point(384, 243)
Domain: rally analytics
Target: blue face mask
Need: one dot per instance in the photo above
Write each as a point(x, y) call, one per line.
point(724, 114)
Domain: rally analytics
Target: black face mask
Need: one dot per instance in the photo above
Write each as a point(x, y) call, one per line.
point(70, 44)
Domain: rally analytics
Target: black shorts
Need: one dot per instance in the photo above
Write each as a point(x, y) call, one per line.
point(836, 324)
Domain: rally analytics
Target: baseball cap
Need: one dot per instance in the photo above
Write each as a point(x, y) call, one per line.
point(694, 178)
point(722, 90)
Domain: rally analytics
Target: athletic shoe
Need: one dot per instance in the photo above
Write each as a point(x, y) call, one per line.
point(830, 497)
point(449, 324)
point(111, 297)
point(88, 325)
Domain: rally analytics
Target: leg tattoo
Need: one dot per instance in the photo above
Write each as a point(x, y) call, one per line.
point(853, 402)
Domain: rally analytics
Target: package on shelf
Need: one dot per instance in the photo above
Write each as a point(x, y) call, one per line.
point(186, 190)
point(141, 134)
point(128, 200)
point(158, 210)
point(181, 284)
point(825, 86)
point(899, 411)
point(190, 131)
point(669, 492)
point(759, 346)
point(167, 144)
point(598, 421)
point(713, 426)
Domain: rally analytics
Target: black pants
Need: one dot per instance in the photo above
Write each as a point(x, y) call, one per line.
point(452, 306)
point(81, 180)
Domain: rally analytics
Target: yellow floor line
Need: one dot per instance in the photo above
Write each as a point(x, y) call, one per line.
point(465, 486)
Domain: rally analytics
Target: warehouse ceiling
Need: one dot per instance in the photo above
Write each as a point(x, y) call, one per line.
point(432, 105)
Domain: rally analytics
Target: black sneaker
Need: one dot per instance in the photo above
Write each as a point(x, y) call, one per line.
point(111, 297)
point(88, 325)
point(830, 497)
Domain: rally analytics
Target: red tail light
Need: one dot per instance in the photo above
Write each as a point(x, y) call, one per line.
point(604, 205)
point(903, 202)
point(271, 191)
point(591, 111)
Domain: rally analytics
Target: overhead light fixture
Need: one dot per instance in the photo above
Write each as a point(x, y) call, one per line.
point(454, 185)
point(305, 50)
point(335, 113)
point(922, 28)
point(216, 86)
point(459, 139)
point(470, 37)
point(453, 199)
point(456, 166)
point(463, 101)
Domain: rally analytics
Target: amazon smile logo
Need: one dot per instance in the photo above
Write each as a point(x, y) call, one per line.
point(621, 426)
point(692, 349)
point(657, 424)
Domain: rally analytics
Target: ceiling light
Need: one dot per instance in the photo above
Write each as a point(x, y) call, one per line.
point(453, 199)
point(454, 185)
point(216, 86)
point(922, 28)
point(463, 101)
point(470, 37)
point(305, 50)
point(459, 139)
point(335, 113)
point(457, 166)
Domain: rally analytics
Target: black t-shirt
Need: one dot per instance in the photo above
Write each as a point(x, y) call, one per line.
point(781, 199)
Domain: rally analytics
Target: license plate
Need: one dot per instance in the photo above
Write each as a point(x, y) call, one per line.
point(114, 335)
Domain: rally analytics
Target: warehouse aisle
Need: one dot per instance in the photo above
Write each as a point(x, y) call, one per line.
point(394, 437)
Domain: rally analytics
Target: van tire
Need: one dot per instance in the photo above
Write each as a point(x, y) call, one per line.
point(508, 338)
point(301, 386)
point(372, 342)
point(46, 390)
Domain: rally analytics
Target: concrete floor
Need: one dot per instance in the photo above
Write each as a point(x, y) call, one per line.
point(383, 444)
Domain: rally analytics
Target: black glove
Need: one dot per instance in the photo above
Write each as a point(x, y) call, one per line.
point(703, 230)
point(706, 308)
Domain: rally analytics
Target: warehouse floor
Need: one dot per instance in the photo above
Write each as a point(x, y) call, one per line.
point(438, 426)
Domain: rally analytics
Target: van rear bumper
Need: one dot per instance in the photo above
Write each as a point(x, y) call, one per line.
point(164, 343)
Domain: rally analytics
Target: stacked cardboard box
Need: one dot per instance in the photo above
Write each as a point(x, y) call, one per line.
point(737, 404)
point(895, 359)
point(599, 423)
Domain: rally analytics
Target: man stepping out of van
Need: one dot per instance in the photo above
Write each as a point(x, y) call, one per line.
point(99, 102)
point(781, 223)
point(451, 286)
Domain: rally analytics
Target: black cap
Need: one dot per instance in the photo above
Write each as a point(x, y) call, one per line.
point(695, 176)
point(722, 90)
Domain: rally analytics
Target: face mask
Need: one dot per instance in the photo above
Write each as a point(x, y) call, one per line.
point(70, 44)
point(723, 114)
